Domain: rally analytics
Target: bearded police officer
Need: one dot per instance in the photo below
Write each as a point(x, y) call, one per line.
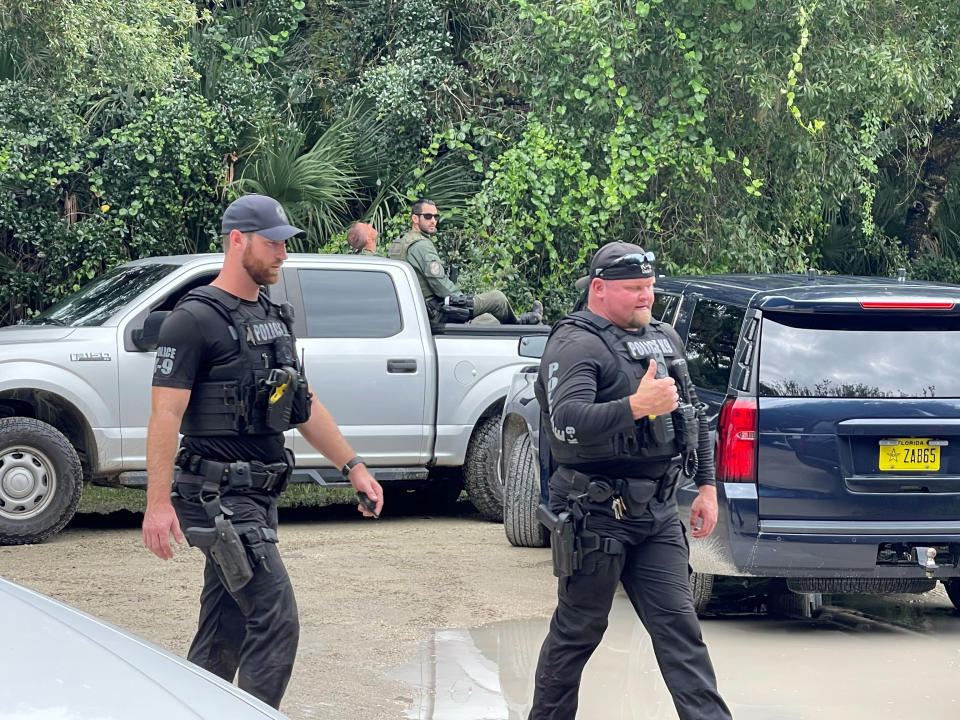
point(446, 303)
point(623, 424)
point(228, 377)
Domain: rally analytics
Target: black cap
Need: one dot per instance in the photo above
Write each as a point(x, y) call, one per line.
point(259, 214)
point(610, 257)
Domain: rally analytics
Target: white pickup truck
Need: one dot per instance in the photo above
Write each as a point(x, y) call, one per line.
point(423, 408)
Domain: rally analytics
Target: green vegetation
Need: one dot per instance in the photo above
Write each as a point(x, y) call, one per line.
point(725, 135)
point(105, 500)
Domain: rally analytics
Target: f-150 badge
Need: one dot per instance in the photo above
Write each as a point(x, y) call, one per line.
point(90, 357)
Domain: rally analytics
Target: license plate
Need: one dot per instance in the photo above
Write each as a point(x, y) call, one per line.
point(909, 454)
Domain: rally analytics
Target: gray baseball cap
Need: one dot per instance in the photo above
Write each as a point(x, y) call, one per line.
point(619, 261)
point(259, 214)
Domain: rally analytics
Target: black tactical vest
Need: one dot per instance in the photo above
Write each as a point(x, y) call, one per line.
point(632, 352)
point(240, 396)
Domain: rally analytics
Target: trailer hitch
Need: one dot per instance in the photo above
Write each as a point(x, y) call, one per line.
point(925, 557)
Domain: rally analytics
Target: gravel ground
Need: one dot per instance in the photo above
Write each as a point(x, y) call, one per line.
point(368, 591)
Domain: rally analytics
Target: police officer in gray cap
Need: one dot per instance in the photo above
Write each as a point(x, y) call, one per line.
point(228, 378)
point(624, 424)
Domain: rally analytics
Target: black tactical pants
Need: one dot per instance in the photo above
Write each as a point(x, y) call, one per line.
point(654, 571)
point(252, 633)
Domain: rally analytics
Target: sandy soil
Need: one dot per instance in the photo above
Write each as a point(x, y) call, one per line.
point(368, 592)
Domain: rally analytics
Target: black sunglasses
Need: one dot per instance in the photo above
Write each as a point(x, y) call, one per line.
point(429, 216)
point(631, 260)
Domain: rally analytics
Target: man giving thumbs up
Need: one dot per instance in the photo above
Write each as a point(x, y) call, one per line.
point(617, 437)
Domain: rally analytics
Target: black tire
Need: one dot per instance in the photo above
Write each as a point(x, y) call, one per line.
point(40, 481)
point(521, 495)
point(701, 586)
point(857, 586)
point(953, 591)
point(481, 470)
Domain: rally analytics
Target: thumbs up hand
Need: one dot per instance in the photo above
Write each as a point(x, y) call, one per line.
point(651, 370)
point(654, 396)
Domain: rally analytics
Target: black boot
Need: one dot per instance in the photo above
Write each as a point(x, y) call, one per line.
point(532, 317)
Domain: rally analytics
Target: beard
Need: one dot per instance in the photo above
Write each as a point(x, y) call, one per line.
point(638, 319)
point(260, 272)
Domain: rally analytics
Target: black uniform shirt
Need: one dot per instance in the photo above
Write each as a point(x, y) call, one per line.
point(576, 364)
point(194, 338)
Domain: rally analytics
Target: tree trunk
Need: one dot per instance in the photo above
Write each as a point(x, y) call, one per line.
point(932, 186)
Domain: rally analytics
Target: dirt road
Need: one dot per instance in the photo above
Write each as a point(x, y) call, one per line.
point(440, 618)
point(368, 592)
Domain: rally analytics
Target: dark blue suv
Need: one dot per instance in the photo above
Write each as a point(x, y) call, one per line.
point(836, 408)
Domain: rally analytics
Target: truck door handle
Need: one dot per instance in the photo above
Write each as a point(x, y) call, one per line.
point(401, 366)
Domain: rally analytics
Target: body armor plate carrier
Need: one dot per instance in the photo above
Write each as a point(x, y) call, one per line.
point(653, 439)
point(261, 390)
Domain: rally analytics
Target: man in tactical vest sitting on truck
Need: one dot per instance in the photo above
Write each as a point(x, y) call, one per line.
point(446, 303)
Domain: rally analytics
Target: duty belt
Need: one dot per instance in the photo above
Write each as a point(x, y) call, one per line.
point(241, 475)
point(600, 488)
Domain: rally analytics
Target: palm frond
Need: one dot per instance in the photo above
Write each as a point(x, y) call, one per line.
point(449, 181)
point(314, 187)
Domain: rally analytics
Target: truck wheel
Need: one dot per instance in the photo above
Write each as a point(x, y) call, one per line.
point(701, 586)
point(481, 471)
point(40, 481)
point(953, 591)
point(521, 495)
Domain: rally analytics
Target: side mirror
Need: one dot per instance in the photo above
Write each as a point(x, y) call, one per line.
point(146, 338)
point(532, 346)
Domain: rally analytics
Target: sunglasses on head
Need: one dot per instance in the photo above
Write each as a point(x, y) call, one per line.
point(429, 216)
point(631, 260)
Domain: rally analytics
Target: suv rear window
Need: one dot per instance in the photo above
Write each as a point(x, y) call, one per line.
point(711, 342)
point(857, 356)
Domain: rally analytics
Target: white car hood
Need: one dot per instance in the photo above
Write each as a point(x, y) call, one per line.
point(59, 663)
point(33, 333)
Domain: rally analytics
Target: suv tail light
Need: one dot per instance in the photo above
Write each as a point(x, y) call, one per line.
point(737, 460)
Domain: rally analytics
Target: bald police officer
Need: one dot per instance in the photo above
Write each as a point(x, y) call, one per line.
point(445, 301)
point(362, 238)
point(621, 435)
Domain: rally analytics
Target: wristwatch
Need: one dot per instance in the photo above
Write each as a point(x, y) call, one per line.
point(351, 464)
